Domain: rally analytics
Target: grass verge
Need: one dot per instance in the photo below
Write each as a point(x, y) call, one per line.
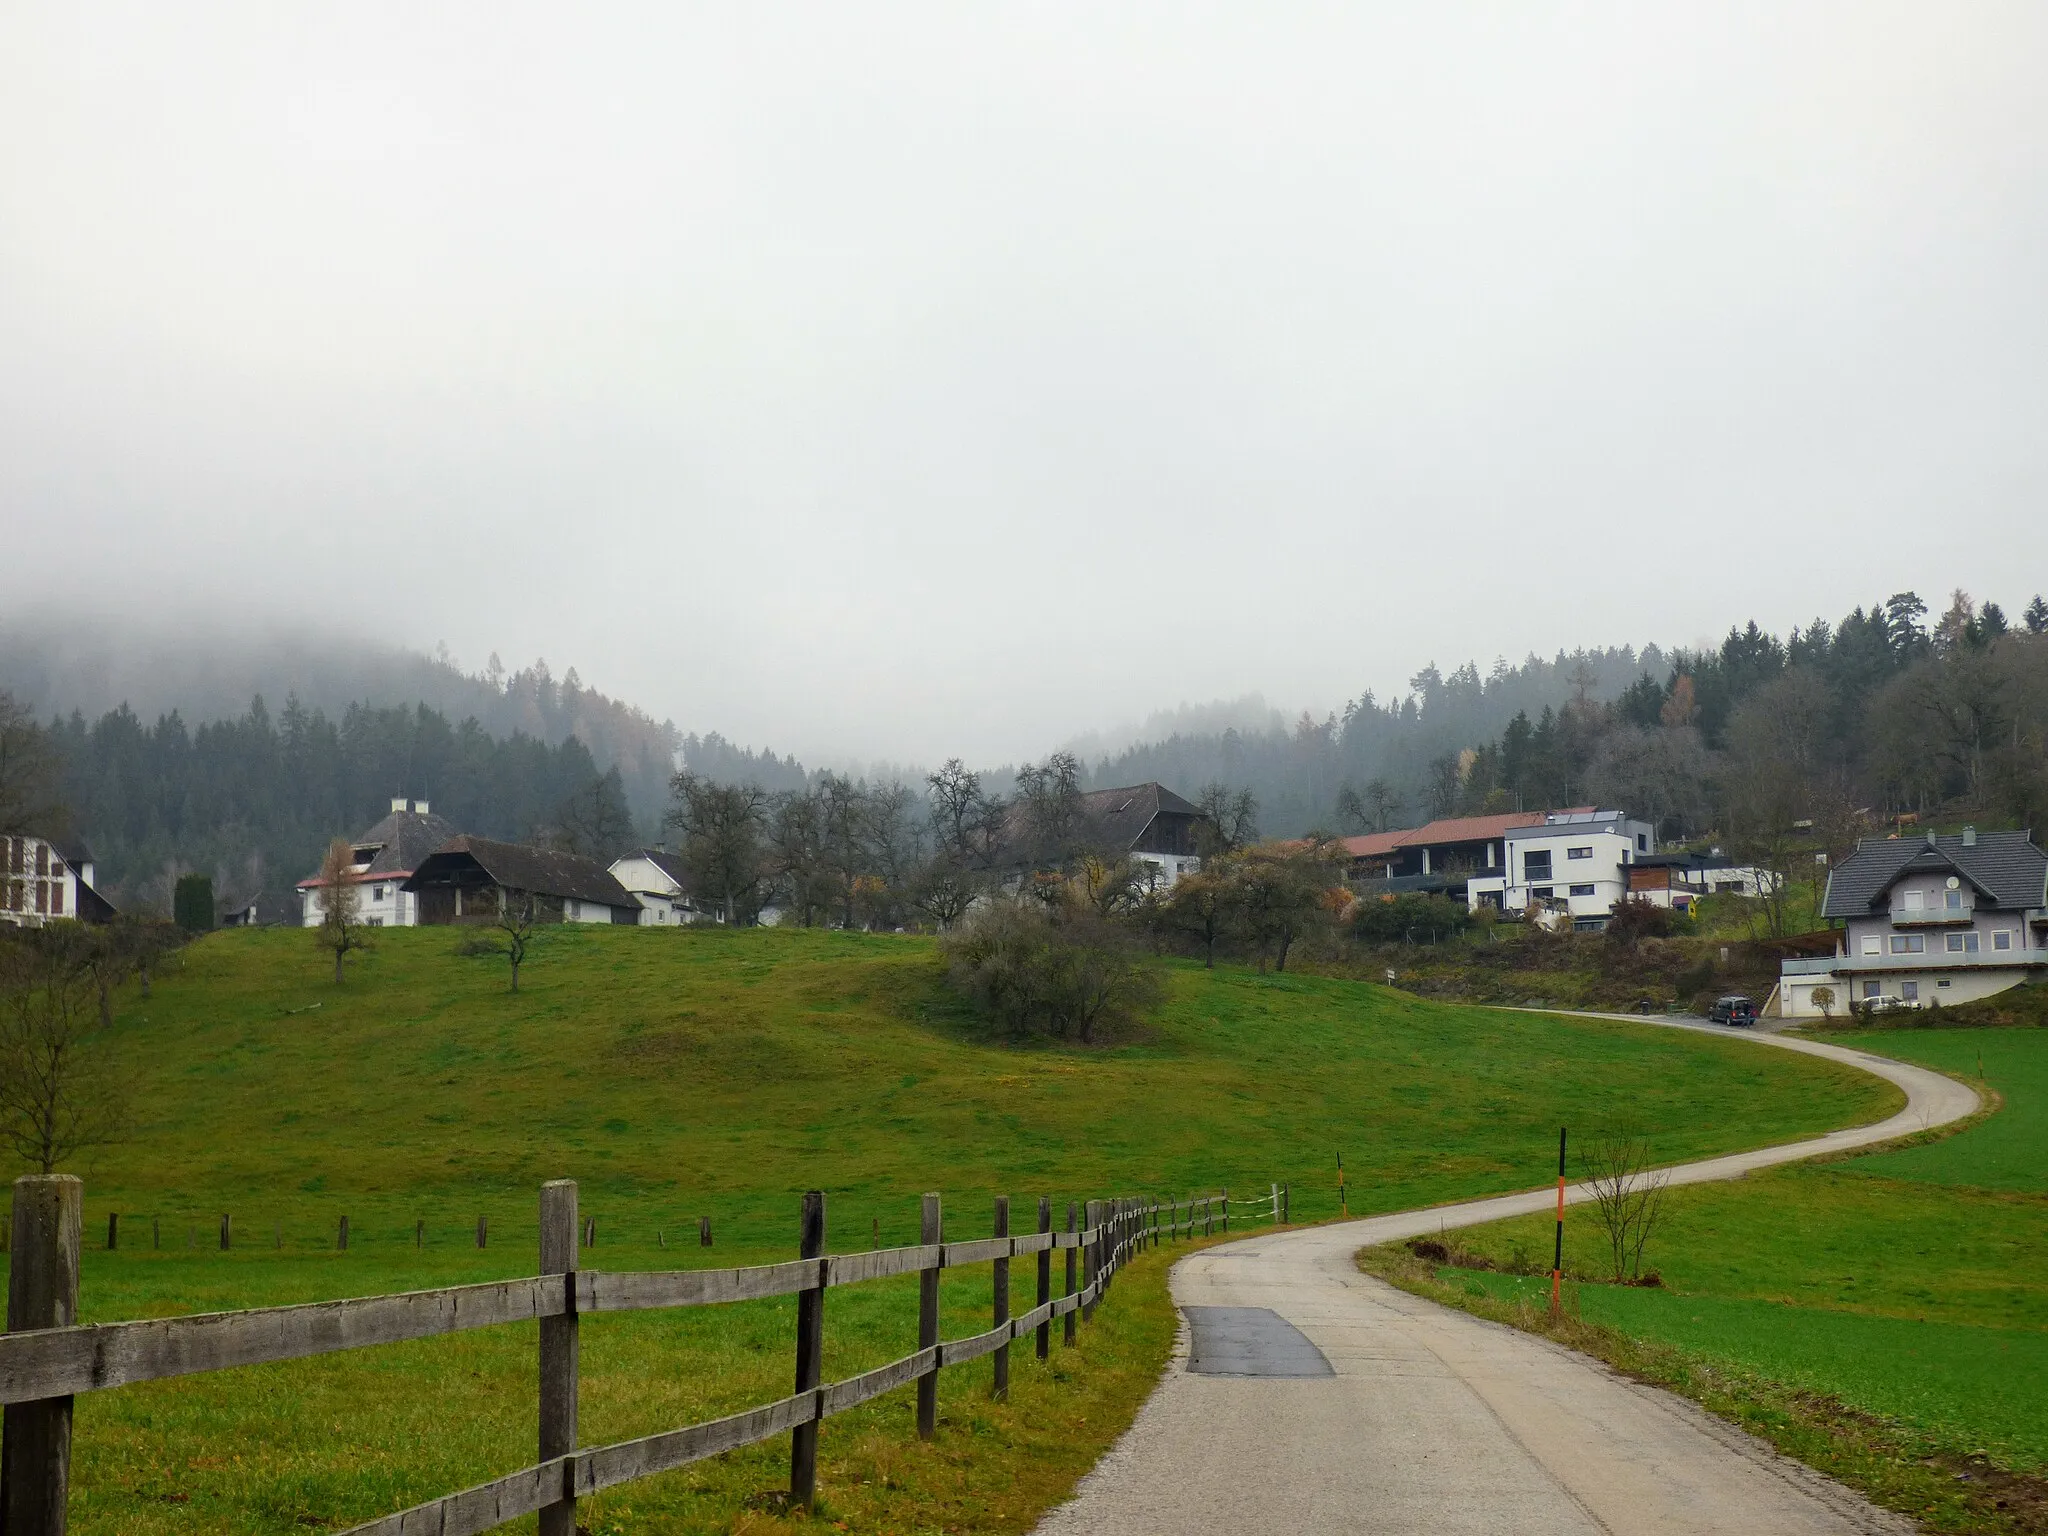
point(1883, 1316)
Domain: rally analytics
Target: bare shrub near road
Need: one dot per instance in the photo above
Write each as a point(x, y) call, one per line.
point(1627, 1194)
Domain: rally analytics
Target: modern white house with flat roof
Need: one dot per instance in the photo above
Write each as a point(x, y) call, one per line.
point(1573, 863)
point(1925, 921)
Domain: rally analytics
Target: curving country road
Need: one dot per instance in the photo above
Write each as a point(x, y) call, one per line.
point(1425, 1419)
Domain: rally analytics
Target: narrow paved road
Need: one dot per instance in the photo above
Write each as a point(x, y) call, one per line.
point(1429, 1420)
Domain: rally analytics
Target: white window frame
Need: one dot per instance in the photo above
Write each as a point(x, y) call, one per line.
point(1909, 991)
point(1579, 853)
point(1586, 889)
point(2001, 938)
point(1912, 901)
point(1873, 944)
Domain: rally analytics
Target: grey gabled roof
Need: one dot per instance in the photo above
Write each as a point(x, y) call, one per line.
point(1120, 816)
point(517, 867)
point(405, 838)
point(2006, 868)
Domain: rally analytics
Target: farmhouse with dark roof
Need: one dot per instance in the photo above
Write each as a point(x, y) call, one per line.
point(1927, 920)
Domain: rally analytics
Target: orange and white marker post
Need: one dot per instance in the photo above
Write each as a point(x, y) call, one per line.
point(1557, 1260)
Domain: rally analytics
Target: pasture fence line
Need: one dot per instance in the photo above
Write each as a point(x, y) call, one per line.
point(46, 1358)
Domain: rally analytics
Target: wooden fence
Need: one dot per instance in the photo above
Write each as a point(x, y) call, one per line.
point(46, 1358)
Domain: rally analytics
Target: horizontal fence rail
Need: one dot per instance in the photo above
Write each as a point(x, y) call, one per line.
point(46, 1359)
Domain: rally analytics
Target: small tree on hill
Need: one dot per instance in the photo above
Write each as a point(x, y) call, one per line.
point(1824, 1000)
point(61, 1087)
point(341, 905)
point(511, 935)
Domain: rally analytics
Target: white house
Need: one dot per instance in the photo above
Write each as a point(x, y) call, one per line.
point(1571, 864)
point(1677, 880)
point(384, 858)
point(658, 881)
point(1927, 920)
point(41, 880)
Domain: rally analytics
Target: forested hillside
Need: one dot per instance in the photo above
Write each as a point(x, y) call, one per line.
point(253, 800)
point(205, 675)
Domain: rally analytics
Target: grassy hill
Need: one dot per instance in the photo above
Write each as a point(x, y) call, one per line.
point(721, 1073)
point(678, 1074)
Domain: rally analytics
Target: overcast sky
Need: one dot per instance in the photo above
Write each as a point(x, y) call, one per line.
point(906, 380)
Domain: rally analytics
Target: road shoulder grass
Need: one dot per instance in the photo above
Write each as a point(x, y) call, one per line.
point(1882, 1316)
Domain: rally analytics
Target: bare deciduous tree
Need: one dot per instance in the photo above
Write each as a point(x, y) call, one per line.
point(722, 825)
point(1628, 1196)
point(510, 935)
point(341, 905)
point(1232, 819)
point(62, 1089)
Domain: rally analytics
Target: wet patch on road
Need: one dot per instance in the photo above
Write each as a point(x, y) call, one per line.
point(1250, 1341)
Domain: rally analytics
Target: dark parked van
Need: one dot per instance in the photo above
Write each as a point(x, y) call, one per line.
point(1732, 1010)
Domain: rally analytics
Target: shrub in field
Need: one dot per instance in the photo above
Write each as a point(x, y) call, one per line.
point(1411, 918)
point(1034, 968)
point(1636, 917)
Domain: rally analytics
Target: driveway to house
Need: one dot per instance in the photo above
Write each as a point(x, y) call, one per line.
point(1306, 1397)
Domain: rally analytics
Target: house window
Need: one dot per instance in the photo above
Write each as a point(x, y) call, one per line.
point(1582, 890)
point(1962, 943)
point(1953, 900)
point(1536, 865)
point(1578, 853)
point(2002, 939)
point(1943, 982)
point(1872, 944)
point(1913, 901)
point(1909, 943)
point(1642, 842)
point(376, 893)
point(1910, 991)
point(1871, 989)
point(1541, 893)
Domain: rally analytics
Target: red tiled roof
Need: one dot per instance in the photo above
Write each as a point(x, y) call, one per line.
point(1448, 829)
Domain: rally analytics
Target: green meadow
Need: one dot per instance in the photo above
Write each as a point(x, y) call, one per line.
point(1908, 1286)
point(679, 1075)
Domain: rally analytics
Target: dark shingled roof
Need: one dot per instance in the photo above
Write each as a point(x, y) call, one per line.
point(540, 871)
point(2005, 867)
point(1120, 816)
point(406, 837)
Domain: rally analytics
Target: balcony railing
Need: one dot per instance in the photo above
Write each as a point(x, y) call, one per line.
point(1931, 960)
point(1932, 917)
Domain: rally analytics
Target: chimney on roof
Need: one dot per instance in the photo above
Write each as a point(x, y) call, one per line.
point(1930, 839)
point(1969, 837)
point(419, 807)
point(397, 803)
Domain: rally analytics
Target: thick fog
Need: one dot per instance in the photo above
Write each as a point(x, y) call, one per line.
point(904, 380)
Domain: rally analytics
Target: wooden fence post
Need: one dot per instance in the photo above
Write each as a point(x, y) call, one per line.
point(419, 1233)
point(227, 1232)
point(113, 1230)
point(1208, 1216)
point(156, 1231)
point(42, 1292)
point(930, 1228)
point(559, 1349)
point(1067, 1322)
point(341, 1236)
point(1091, 1257)
point(1045, 1276)
point(703, 1231)
point(999, 1386)
point(483, 1231)
point(810, 1355)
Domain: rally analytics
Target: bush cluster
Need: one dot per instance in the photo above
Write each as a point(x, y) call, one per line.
point(1033, 968)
